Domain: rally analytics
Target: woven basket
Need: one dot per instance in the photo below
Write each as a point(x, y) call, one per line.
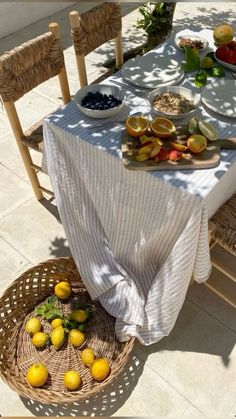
point(17, 352)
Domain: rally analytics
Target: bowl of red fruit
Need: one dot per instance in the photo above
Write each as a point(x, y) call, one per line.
point(226, 55)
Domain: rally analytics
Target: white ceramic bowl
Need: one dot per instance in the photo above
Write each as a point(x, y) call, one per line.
point(189, 94)
point(192, 37)
point(104, 89)
point(231, 67)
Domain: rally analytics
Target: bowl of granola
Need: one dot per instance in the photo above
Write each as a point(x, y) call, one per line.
point(174, 102)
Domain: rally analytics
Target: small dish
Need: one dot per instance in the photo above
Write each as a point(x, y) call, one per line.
point(104, 89)
point(231, 67)
point(192, 38)
point(187, 93)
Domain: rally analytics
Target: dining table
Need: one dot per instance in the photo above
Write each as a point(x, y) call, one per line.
point(138, 238)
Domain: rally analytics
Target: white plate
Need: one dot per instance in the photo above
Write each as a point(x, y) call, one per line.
point(189, 94)
point(231, 67)
point(192, 37)
point(104, 89)
point(218, 96)
point(152, 70)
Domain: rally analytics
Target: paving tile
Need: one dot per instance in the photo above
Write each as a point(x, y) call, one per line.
point(10, 157)
point(51, 88)
point(211, 303)
point(14, 191)
point(32, 107)
point(198, 359)
point(4, 124)
point(35, 232)
point(193, 412)
point(138, 391)
point(152, 396)
point(232, 413)
point(12, 263)
point(11, 404)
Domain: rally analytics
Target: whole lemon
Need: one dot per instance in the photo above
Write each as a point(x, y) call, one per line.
point(72, 380)
point(58, 337)
point(100, 369)
point(39, 339)
point(79, 316)
point(76, 337)
point(87, 357)
point(63, 290)
point(33, 326)
point(37, 375)
point(56, 322)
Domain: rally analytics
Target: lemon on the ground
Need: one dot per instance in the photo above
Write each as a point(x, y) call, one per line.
point(208, 130)
point(63, 290)
point(136, 126)
point(72, 380)
point(37, 375)
point(33, 326)
point(57, 337)
point(79, 316)
point(162, 127)
point(87, 357)
point(39, 339)
point(100, 369)
point(56, 322)
point(76, 338)
point(206, 62)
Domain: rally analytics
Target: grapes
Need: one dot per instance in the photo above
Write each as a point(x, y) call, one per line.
point(99, 101)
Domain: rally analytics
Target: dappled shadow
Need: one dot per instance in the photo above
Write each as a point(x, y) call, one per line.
point(195, 331)
point(51, 206)
point(209, 18)
point(59, 247)
point(105, 403)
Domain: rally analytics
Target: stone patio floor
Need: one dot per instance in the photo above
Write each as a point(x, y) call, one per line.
point(192, 372)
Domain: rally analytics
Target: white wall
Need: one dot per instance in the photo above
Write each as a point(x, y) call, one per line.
point(17, 15)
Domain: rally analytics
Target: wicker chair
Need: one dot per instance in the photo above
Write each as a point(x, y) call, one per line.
point(92, 29)
point(222, 232)
point(21, 70)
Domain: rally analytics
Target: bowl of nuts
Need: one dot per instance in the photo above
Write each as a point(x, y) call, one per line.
point(192, 41)
point(174, 102)
point(100, 100)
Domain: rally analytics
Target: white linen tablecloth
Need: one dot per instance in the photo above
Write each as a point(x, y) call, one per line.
point(137, 237)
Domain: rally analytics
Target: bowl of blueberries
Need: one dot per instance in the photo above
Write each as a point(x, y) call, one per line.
point(100, 100)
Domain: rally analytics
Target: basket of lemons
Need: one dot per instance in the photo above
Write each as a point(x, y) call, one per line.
point(57, 345)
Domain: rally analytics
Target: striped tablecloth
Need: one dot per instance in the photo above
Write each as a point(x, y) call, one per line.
point(136, 237)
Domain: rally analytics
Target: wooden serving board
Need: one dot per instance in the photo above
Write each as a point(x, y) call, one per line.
point(208, 158)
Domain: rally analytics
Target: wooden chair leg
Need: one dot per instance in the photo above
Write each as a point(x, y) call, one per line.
point(118, 50)
point(82, 70)
point(24, 151)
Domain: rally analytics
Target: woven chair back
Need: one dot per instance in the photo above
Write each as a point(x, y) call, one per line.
point(28, 65)
point(97, 26)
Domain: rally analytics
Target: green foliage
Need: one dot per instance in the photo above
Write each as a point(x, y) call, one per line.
point(192, 61)
point(49, 309)
point(155, 17)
